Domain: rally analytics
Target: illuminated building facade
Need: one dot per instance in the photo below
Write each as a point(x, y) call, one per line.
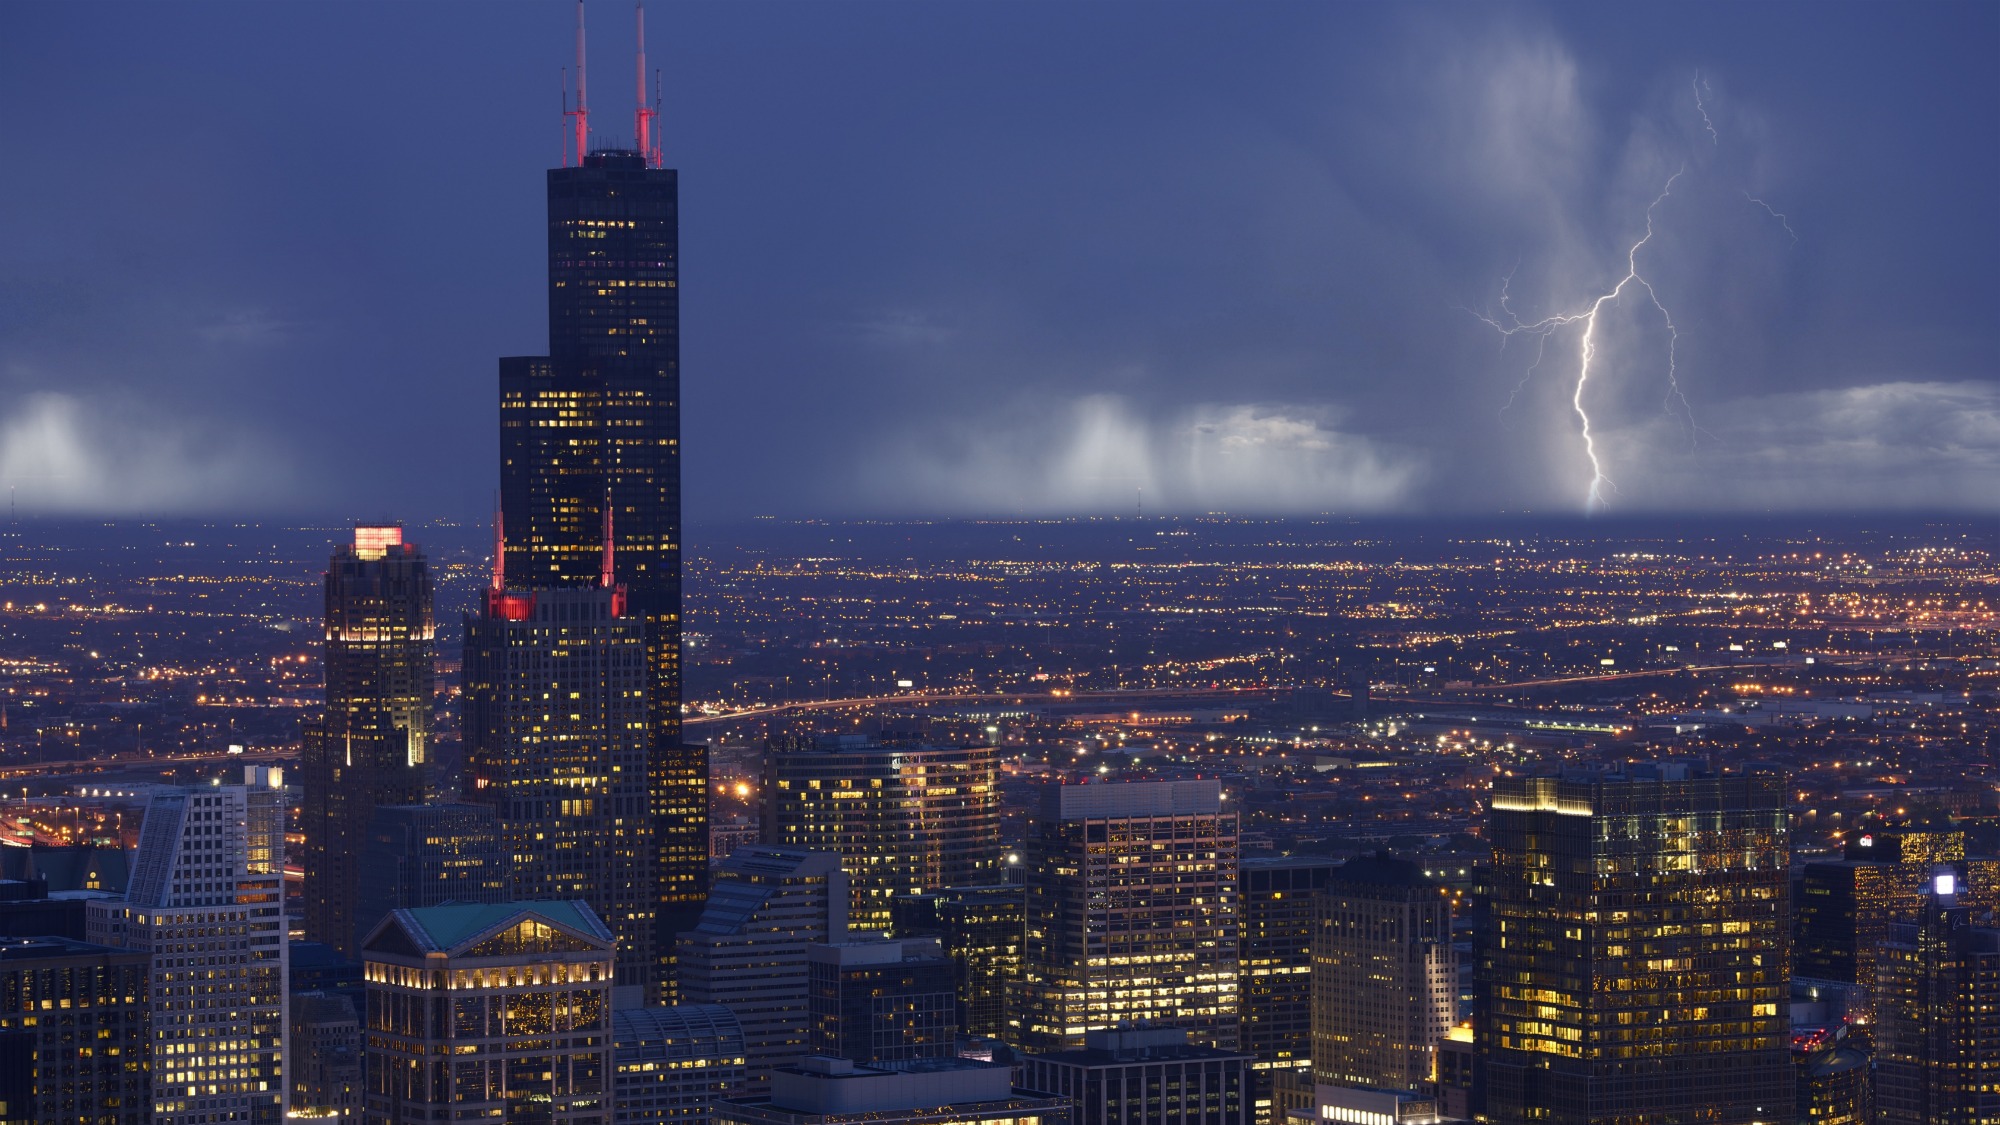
point(74, 1034)
point(1633, 961)
point(427, 855)
point(489, 1012)
point(1384, 976)
point(905, 818)
point(980, 928)
point(1846, 906)
point(828, 1091)
point(877, 1000)
point(598, 417)
point(1277, 968)
point(1937, 1017)
point(556, 743)
point(673, 1063)
point(748, 950)
point(1131, 892)
point(371, 746)
point(1145, 1076)
point(207, 903)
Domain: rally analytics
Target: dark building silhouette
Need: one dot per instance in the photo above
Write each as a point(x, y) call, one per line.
point(75, 1033)
point(316, 967)
point(822, 1090)
point(68, 867)
point(748, 951)
point(26, 910)
point(1277, 967)
point(323, 1056)
point(597, 421)
point(882, 1001)
point(371, 745)
point(1937, 1016)
point(1633, 962)
point(425, 855)
point(556, 743)
point(980, 928)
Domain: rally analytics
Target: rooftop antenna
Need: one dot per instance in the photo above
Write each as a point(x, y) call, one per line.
point(649, 147)
point(499, 547)
point(605, 568)
point(581, 114)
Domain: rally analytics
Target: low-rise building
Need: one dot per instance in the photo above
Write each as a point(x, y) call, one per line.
point(672, 1064)
point(1146, 1076)
point(818, 1090)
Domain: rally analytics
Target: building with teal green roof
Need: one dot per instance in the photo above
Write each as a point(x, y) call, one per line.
point(497, 1010)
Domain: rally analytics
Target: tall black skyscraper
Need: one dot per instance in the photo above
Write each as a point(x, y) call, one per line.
point(598, 421)
point(372, 746)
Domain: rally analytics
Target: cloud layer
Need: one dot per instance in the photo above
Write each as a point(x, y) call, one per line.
point(1097, 455)
point(63, 454)
point(1899, 445)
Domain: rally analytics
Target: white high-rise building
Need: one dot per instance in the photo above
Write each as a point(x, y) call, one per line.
point(207, 900)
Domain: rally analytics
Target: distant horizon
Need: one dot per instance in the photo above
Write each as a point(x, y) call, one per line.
point(1610, 525)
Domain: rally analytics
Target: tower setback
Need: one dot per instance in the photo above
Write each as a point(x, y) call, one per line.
point(592, 430)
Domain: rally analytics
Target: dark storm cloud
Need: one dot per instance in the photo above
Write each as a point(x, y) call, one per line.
point(1010, 258)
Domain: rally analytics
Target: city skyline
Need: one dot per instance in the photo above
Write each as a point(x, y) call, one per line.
point(1261, 565)
point(1189, 260)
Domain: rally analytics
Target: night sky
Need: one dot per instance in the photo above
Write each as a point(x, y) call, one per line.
point(996, 258)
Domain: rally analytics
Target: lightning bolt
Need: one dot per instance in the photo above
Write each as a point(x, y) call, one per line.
point(1699, 86)
point(1776, 214)
point(1600, 482)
